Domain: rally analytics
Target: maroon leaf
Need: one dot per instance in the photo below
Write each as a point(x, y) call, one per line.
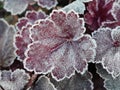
point(98, 11)
point(59, 46)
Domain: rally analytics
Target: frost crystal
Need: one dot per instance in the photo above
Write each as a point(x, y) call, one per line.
point(98, 11)
point(108, 49)
point(22, 38)
point(59, 46)
point(13, 80)
point(7, 55)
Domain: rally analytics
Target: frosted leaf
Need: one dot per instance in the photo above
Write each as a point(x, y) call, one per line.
point(15, 80)
point(116, 10)
point(77, 6)
point(30, 17)
point(22, 38)
point(76, 82)
point(43, 83)
point(108, 49)
point(98, 11)
point(7, 55)
point(59, 46)
point(47, 3)
point(16, 6)
point(109, 83)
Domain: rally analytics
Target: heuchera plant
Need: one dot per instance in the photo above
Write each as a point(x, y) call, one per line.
point(59, 45)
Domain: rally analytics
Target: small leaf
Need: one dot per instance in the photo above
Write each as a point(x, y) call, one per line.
point(15, 80)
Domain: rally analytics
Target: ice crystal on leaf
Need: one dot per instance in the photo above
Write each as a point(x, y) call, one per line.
point(16, 6)
point(24, 24)
point(108, 49)
point(43, 83)
point(7, 55)
point(15, 80)
point(47, 3)
point(59, 46)
point(109, 82)
point(98, 11)
point(76, 82)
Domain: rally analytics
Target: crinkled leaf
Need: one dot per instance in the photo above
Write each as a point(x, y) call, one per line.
point(15, 80)
point(7, 55)
point(76, 82)
point(108, 49)
point(59, 46)
point(47, 3)
point(109, 82)
point(43, 83)
point(16, 6)
point(98, 11)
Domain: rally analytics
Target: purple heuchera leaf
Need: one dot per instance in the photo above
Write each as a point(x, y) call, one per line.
point(108, 49)
point(47, 3)
point(16, 6)
point(59, 46)
point(22, 38)
point(98, 11)
point(15, 80)
point(7, 55)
